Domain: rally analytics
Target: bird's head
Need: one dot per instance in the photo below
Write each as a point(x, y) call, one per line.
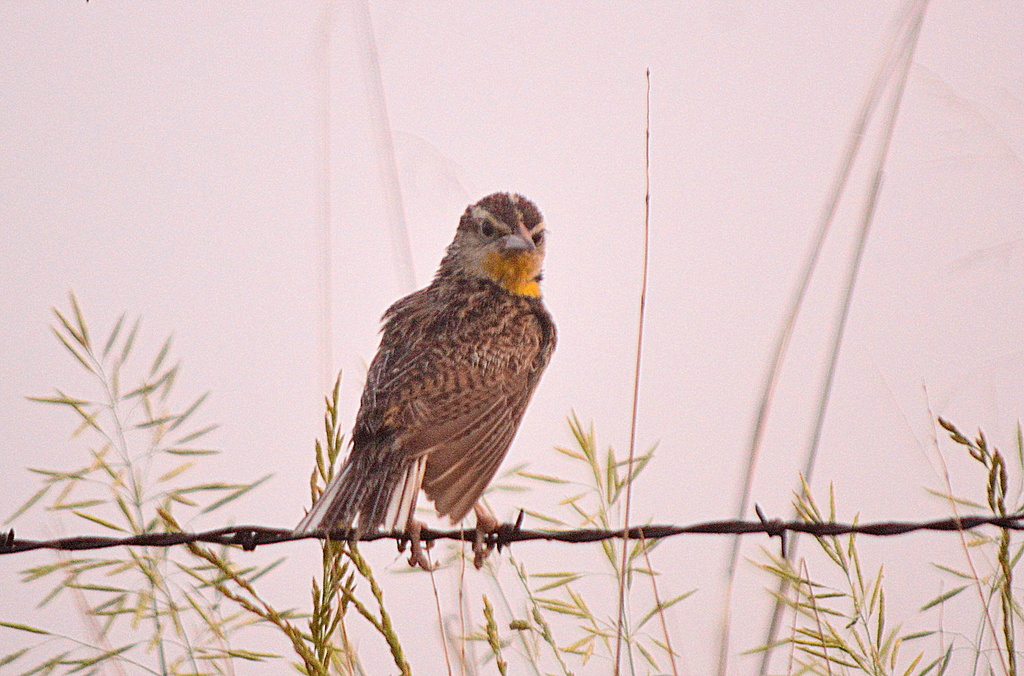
point(500, 238)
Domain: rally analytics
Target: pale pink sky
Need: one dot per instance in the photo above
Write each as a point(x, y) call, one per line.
point(167, 160)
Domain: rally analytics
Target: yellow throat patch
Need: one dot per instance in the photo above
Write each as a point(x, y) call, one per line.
point(516, 273)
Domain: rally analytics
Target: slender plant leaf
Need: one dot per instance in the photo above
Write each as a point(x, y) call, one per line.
point(97, 520)
point(11, 657)
point(942, 598)
point(191, 451)
point(235, 495)
point(181, 418)
point(129, 343)
point(175, 472)
point(112, 338)
point(24, 627)
point(161, 355)
point(28, 504)
point(663, 606)
point(195, 435)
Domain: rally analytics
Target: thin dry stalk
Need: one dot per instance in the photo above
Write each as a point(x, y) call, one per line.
point(349, 652)
point(440, 619)
point(382, 624)
point(659, 606)
point(325, 283)
point(792, 633)
point(636, 382)
point(817, 615)
point(385, 145)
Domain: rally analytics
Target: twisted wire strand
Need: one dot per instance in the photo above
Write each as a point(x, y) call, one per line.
point(250, 537)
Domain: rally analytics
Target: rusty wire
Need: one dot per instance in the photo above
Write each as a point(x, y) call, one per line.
point(250, 537)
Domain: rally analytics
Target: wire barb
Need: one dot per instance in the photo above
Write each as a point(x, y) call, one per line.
point(773, 528)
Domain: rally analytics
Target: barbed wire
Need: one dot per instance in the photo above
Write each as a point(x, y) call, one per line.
point(250, 537)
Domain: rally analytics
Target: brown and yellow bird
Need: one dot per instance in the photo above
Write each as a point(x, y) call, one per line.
point(457, 365)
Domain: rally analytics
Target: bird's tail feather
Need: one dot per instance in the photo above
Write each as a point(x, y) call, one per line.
point(363, 490)
point(403, 499)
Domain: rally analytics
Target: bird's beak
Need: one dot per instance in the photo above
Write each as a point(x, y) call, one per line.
point(518, 241)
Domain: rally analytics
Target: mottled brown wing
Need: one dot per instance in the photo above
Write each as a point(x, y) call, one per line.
point(456, 397)
point(463, 422)
point(460, 467)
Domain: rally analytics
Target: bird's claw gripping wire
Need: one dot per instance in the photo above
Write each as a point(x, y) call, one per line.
point(486, 524)
point(417, 550)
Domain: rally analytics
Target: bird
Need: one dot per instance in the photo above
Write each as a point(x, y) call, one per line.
point(457, 365)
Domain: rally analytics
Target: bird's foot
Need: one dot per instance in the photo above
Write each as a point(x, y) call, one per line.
point(417, 550)
point(485, 525)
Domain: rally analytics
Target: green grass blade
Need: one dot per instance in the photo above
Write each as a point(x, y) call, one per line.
point(25, 627)
point(235, 495)
point(114, 333)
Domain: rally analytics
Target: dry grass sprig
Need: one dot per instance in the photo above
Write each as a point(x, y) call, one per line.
point(839, 627)
point(1000, 581)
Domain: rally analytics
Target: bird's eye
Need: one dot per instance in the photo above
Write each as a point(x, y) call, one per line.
point(538, 238)
point(487, 230)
